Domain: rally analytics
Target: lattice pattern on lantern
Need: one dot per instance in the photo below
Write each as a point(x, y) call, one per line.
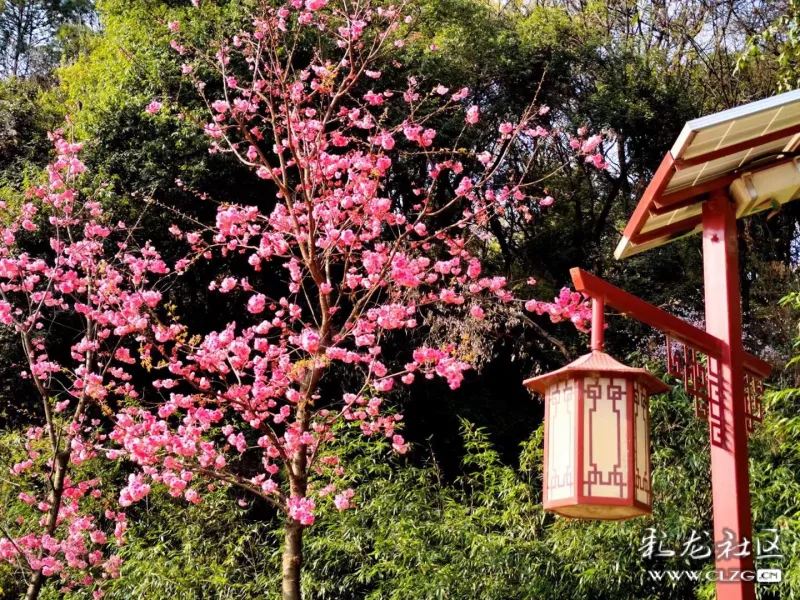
point(561, 409)
point(641, 444)
point(691, 367)
point(753, 393)
point(605, 452)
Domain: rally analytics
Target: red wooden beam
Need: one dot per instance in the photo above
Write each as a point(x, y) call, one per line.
point(668, 230)
point(631, 306)
point(634, 307)
point(684, 163)
point(657, 185)
point(699, 193)
point(661, 209)
point(690, 195)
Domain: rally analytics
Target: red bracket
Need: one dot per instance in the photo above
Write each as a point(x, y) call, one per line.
point(691, 366)
point(753, 394)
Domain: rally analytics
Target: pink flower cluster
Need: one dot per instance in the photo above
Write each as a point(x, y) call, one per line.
point(92, 275)
point(302, 509)
point(569, 305)
point(78, 552)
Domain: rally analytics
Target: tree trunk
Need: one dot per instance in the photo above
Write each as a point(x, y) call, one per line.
point(297, 470)
point(292, 559)
point(61, 462)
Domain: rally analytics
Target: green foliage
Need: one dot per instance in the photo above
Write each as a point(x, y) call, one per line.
point(24, 122)
point(779, 43)
point(215, 550)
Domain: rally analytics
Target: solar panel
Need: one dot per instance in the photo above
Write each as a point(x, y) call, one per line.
point(751, 150)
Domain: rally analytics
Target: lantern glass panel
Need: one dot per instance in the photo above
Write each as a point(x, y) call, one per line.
point(561, 409)
point(641, 419)
point(605, 444)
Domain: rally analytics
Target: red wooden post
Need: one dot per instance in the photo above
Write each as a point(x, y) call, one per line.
point(598, 324)
point(729, 466)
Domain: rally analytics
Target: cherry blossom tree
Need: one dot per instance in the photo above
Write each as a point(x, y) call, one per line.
point(91, 285)
point(363, 263)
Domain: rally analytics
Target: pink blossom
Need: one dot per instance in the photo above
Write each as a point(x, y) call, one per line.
point(590, 144)
point(192, 496)
point(21, 466)
point(373, 98)
point(257, 303)
point(213, 130)
point(98, 537)
point(460, 94)
point(597, 160)
point(220, 106)
point(302, 510)
point(134, 491)
point(5, 313)
point(309, 341)
point(385, 140)
point(228, 284)
point(484, 157)
point(567, 306)
point(343, 501)
point(153, 107)
point(464, 186)
point(399, 444)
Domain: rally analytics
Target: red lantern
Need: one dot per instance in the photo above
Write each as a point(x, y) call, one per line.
point(597, 435)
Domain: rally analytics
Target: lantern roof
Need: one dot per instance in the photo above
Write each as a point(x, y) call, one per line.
point(603, 365)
